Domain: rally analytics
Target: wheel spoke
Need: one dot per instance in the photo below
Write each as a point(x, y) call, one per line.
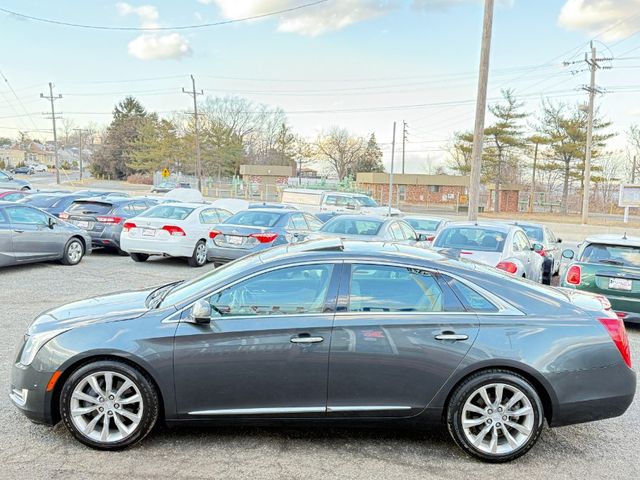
point(473, 422)
point(485, 396)
point(493, 443)
point(515, 399)
point(122, 428)
point(132, 399)
point(481, 436)
point(85, 397)
point(92, 424)
point(521, 428)
point(83, 410)
point(520, 412)
point(499, 390)
point(123, 388)
point(104, 435)
point(474, 408)
point(512, 441)
point(108, 382)
point(127, 414)
point(94, 384)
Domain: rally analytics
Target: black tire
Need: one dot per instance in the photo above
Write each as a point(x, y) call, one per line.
point(547, 271)
point(466, 389)
point(139, 257)
point(148, 394)
point(25, 189)
point(121, 253)
point(70, 255)
point(196, 260)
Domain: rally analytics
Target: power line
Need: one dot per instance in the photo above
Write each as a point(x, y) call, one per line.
point(6, 80)
point(152, 29)
point(53, 117)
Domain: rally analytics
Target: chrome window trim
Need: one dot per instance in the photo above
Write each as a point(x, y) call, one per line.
point(296, 410)
point(358, 408)
point(172, 318)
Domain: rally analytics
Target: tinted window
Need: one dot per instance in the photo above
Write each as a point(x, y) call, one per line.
point(171, 212)
point(533, 232)
point(4, 176)
point(98, 208)
point(41, 201)
point(209, 216)
point(471, 299)
point(379, 288)
point(422, 224)
point(270, 293)
point(313, 222)
point(407, 231)
point(471, 238)
point(254, 218)
point(26, 215)
point(612, 255)
point(352, 226)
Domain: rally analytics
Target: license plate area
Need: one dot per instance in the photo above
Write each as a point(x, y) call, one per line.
point(148, 232)
point(620, 284)
point(234, 239)
point(82, 224)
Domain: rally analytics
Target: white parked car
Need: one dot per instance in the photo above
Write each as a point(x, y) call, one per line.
point(172, 230)
point(39, 168)
point(499, 245)
point(316, 201)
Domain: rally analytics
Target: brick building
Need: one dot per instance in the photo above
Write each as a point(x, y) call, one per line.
point(265, 181)
point(509, 195)
point(416, 189)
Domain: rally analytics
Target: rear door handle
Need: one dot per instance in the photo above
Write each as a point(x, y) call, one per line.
point(306, 339)
point(18, 231)
point(452, 337)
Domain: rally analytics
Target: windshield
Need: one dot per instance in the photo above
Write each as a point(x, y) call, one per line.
point(254, 219)
point(365, 201)
point(352, 226)
point(424, 224)
point(534, 233)
point(627, 256)
point(471, 238)
point(171, 212)
point(41, 201)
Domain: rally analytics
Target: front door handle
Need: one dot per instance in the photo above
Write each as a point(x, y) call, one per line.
point(306, 339)
point(452, 337)
point(18, 231)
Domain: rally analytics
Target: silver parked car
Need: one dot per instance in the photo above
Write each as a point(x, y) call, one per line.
point(426, 227)
point(541, 234)
point(30, 235)
point(499, 245)
point(7, 181)
point(370, 228)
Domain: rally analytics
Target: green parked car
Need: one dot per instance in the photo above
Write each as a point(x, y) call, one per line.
point(608, 265)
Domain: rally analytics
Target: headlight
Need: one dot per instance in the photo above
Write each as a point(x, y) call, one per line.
point(35, 342)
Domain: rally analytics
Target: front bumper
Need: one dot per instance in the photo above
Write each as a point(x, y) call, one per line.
point(28, 392)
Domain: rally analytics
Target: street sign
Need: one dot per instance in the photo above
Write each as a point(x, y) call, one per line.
point(165, 173)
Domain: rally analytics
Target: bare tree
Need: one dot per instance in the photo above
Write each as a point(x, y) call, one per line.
point(339, 150)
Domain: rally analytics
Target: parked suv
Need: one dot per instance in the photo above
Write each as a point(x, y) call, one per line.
point(103, 217)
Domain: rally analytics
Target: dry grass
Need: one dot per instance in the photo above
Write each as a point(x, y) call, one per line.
point(560, 218)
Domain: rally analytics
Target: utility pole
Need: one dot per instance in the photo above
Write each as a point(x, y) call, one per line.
point(52, 99)
point(393, 152)
point(633, 172)
point(193, 93)
point(533, 178)
point(481, 107)
point(80, 132)
point(404, 141)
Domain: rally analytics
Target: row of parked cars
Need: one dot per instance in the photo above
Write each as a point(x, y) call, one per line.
point(336, 317)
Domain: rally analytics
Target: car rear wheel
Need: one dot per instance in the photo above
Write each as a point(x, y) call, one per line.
point(139, 257)
point(108, 405)
point(199, 257)
point(495, 415)
point(73, 252)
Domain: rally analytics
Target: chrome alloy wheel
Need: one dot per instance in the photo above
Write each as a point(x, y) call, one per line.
point(201, 253)
point(498, 418)
point(106, 407)
point(74, 252)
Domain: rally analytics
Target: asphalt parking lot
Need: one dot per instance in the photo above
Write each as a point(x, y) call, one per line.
point(596, 450)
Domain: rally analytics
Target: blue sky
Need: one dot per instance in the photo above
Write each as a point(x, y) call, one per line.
point(379, 57)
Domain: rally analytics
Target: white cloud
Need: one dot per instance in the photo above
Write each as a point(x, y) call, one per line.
point(618, 18)
point(154, 46)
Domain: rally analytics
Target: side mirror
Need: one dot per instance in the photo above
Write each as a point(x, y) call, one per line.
point(351, 206)
point(536, 247)
point(51, 222)
point(201, 312)
point(422, 237)
point(568, 254)
point(558, 240)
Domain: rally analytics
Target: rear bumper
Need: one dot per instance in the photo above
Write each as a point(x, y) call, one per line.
point(224, 255)
point(108, 237)
point(156, 247)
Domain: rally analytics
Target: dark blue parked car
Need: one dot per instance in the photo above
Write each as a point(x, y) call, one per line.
point(257, 229)
point(54, 203)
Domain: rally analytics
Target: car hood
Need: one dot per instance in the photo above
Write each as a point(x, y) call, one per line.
point(108, 308)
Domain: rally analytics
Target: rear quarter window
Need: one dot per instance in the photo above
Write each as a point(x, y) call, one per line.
point(472, 300)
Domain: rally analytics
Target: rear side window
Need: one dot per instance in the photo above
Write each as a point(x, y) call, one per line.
point(209, 216)
point(381, 288)
point(254, 218)
point(471, 299)
point(407, 231)
point(93, 208)
point(297, 222)
point(423, 224)
point(168, 211)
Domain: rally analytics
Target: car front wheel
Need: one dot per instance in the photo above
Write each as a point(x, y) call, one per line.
point(73, 252)
point(495, 415)
point(108, 405)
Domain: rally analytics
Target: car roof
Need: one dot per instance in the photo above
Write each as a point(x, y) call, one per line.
point(614, 239)
point(423, 217)
point(374, 218)
point(184, 204)
point(281, 211)
point(504, 227)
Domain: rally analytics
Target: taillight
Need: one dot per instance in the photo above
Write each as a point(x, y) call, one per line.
point(573, 275)
point(430, 238)
point(542, 252)
point(617, 332)
point(63, 215)
point(264, 237)
point(463, 252)
point(174, 230)
point(128, 226)
point(109, 219)
point(214, 233)
point(621, 315)
point(508, 267)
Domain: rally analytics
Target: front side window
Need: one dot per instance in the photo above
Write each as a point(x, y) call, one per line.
point(26, 215)
point(313, 222)
point(4, 176)
point(331, 200)
point(365, 201)
point(271, 293)
point(209, 216)
point(424, 224)
point(521, 242)
point(534, 233)
point(381, 288)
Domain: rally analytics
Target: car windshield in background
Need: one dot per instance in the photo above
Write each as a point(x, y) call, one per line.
point(365, 201)
point(351, 226)
point(90, 207)
point(168, 211)
point(254, 219)
point(471, 238)
point(423, 224)
point(612, 255)
point(533, 232)
point(41, 201)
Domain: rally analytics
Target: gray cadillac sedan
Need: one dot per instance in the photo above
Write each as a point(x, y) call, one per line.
point(29, 235)
point(329, 331)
